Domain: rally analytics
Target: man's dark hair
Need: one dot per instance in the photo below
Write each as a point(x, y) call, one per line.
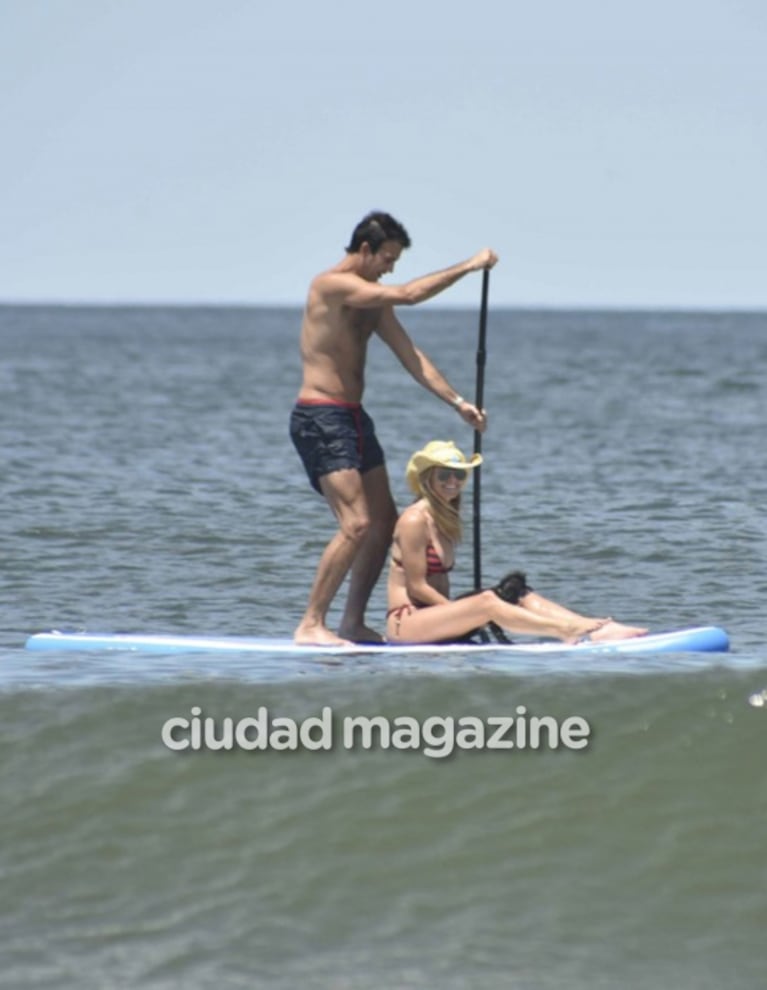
point(376, 228)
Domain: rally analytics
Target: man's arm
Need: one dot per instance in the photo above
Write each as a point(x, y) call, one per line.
point(391, 331)
point(361, 294)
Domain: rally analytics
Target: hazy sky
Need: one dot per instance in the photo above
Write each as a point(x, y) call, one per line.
point(613, 153)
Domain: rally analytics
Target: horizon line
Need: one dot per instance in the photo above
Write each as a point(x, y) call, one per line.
point(430, 305)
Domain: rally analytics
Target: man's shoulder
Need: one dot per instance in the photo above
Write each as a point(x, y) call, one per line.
point(340, 292)
point(334, 278)
point(330, 285)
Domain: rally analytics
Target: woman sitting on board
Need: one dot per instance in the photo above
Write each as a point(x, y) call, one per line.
point(423, 553)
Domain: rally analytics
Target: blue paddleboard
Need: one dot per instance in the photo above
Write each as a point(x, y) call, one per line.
point(700, 639)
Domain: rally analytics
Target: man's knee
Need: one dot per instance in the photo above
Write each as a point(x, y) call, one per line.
point(356, 527)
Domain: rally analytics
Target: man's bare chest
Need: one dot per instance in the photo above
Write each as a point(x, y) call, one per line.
point(361, 323)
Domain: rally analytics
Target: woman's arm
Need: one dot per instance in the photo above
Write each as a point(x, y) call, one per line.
point(412, 536)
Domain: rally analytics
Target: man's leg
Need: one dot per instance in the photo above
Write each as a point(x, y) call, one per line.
point(371, 556)
point(345, 495)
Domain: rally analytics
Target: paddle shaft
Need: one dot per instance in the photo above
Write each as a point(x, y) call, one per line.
point(479, 399)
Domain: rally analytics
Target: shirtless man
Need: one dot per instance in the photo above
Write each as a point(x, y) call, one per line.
point(333, 434)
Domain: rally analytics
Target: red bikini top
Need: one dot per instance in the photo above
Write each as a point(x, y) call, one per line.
point(433, 563)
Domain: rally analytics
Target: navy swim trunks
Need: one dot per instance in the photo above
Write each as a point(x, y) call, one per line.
point(332, 436)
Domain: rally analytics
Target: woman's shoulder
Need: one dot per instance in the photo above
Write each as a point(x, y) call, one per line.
point(414, 518)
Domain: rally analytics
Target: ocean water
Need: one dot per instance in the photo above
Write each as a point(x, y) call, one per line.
point(148, 484)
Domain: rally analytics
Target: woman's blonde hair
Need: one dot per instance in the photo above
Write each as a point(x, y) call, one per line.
point(446, 515)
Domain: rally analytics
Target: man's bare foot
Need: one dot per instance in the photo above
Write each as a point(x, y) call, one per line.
point(612, 630)
point(361, 634)
point(318, 635)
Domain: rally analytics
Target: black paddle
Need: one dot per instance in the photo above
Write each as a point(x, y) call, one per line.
point(479, 399)
point(479, 402)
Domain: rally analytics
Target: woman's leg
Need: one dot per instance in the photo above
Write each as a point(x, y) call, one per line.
point(607, 629)
point(545, 607)
point(452, 619)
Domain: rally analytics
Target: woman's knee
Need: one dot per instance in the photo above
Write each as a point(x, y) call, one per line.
point(487, 604)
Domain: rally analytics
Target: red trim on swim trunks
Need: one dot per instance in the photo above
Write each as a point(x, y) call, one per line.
point(353, 407)
point(329, 402)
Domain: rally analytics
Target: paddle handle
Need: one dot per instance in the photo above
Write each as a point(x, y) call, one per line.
point(479, 397)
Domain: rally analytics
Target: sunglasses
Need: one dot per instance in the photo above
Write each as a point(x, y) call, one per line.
point(445, 474)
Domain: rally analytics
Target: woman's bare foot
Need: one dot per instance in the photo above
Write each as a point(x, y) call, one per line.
point(582, 629)
point(318, 635)
point(612, 630)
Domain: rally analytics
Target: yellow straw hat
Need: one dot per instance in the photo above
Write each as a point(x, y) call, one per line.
point(437, 453)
